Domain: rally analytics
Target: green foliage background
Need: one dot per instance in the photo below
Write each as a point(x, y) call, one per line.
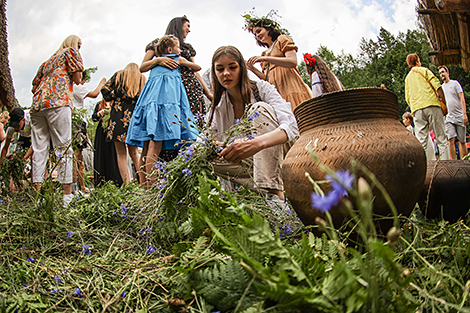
point(383, 61)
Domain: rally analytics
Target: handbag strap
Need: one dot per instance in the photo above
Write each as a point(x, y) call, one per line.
point(432, 87)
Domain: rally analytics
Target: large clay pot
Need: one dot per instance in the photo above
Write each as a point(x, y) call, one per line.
point(359, 124)
point(449, 194)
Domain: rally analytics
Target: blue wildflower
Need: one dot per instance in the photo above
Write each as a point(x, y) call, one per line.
point(78, 292)
point(252, 116)
point(2, 202)
point(344, 179)
point(151, 249)
point(237, 121)
point(161, 218)
point(86, 250)
point(58, 279)
point(55, 290)
point(340, 185)
point(24, 284)
point(219, 149)
point(187, 172)
point(160, 165)
point(30, 260)
point(325, 203)
point(69, 234)
point(124, 294)
point(250, 137)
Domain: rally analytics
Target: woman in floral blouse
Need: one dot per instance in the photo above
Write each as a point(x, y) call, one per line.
point(123, 89)
point(51, 112)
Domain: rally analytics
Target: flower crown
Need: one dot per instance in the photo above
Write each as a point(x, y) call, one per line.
point(252, 21)
point(309, 60)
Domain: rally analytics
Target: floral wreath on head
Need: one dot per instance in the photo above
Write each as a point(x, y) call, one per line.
point(252, 21)
point(309, 60)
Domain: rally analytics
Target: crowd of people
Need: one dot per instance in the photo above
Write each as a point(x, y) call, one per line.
point(137, 113)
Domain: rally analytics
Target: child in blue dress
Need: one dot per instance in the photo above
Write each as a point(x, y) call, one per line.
point(162, 117)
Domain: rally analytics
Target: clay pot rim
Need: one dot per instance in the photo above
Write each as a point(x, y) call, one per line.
point(345, 92)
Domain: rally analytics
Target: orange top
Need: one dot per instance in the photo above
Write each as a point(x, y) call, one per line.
point(287, 81)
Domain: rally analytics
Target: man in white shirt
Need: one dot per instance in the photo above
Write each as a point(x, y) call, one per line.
point(456, 119)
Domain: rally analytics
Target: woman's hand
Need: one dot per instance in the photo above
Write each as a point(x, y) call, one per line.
point(253, 60)
point(241, 149)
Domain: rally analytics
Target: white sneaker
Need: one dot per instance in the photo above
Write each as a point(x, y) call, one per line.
point(67, 199)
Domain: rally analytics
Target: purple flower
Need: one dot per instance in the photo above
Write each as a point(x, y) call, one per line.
point(124, 294)
point(237, 121)
point(250, 137)
point(160, 165)
point(58, 279)
point(187, 172)
point(344, 179)
point(252, 116)
point(151, 249)
point(2, 202)
point(86, 250)
point(69, 234)
point(30, 260)
point(325, 203)
point(78, 292)
point(219, 149)
point(161, 218)
point(334, 196)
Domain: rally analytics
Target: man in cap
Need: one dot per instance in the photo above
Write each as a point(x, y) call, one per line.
point(20, 121)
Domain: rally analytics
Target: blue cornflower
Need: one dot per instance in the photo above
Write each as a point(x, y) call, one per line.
point(187, 172)
point(30, 260)
point(78, 292)
point(151, 249)
point(86, 250)
point(252, 116)
point(69, 234)
point(58, 279)
point(325, 203)
point(334, 196)
point(160, 165)
point(344, 179)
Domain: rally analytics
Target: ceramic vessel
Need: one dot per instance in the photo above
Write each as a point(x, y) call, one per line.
point(446, 191)
point(360, 124)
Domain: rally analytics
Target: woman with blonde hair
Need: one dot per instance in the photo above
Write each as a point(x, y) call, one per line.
point(123, 88)
point(322, 78)
point(51, 112)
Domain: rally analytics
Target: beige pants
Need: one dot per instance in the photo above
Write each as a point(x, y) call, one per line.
point(262, 170)
point(432, 117)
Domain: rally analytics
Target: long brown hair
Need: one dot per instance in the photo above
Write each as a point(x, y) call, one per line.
point(131, 80)
point(245, 84)
point(328, 79)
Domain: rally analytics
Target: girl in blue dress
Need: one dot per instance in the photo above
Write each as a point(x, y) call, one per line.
point(162, 117)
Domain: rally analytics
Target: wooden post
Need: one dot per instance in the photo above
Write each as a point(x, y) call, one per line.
point(464, 34)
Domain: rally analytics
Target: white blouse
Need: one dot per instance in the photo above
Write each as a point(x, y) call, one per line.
point(224, 116)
